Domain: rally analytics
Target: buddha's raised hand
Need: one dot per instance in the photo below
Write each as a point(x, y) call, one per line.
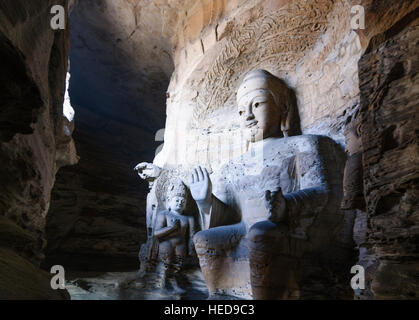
point(200, 186)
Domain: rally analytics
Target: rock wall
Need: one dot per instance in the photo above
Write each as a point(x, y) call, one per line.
point(120, 68)
point(388, 130)
point(307, 43)
point(97, 215)
point(35, 140)
point(310, 44)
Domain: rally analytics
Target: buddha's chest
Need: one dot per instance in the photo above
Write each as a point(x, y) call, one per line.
point(251, 179)
point(247, 185)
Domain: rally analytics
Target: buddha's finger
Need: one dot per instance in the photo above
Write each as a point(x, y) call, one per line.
point(200, 173)
point(206, 175)
point(195, 175)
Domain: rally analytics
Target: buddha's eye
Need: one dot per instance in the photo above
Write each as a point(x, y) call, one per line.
point(256, 105)
point(241, 112)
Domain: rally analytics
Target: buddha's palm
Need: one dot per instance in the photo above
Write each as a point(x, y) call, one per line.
point(200, 186)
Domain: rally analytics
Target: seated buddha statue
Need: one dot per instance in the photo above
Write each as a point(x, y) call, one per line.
point(272, 219)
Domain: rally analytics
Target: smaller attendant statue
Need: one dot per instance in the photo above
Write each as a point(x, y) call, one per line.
point(174, 232)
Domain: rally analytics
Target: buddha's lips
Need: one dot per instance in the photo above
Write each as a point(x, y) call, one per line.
point(252, 124)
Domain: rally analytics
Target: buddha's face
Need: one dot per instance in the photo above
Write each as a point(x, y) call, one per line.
point(259, 115)
point(177, 203)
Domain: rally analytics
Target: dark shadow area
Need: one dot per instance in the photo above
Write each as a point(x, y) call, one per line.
point(19, 96)
point(96, 221)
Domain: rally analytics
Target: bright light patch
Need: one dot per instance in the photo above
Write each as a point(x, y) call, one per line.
point(68, 110)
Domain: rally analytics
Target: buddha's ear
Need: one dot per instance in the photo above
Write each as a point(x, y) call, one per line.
point(285, 121)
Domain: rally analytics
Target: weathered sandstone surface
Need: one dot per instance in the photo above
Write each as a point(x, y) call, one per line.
point(120, 69)
point(35, 141)
point(388, 130)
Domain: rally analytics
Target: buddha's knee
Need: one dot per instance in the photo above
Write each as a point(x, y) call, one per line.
point(216, 240)
point(262, 231)
point(203, 240)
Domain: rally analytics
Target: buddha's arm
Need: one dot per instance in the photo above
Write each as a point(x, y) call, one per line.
point(306, 202)
point(204, 213)
point(216, 213)
point(314, 188)
point(192, 231)
point(221, 214)
point(212, 211)
point(209, 209)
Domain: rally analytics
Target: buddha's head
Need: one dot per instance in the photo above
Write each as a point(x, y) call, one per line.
point(263, 104)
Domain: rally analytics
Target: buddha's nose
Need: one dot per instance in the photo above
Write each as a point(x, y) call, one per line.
point(249, 113)
point(250, 116)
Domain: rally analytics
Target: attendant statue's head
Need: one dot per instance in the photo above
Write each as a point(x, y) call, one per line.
point(265, 106)
point(176, 197)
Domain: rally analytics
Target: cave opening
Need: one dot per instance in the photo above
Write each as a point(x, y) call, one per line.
point(96, 219)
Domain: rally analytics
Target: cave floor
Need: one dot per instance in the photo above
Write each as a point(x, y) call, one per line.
point(105, 286)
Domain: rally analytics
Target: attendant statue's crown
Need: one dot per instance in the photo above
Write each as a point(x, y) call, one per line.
point(176, 189)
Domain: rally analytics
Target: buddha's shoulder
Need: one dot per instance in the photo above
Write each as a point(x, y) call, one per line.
point(303, 138)
point(302, 143)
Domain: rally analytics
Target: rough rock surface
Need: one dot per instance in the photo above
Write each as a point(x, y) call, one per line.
point(97, 220)
point(35, 140)
point(310, 44)
point(389, 85)
point(120, 68)
point(106, 286)
point(299, 41)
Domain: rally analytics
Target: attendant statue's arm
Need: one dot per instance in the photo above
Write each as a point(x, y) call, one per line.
point(162, 229)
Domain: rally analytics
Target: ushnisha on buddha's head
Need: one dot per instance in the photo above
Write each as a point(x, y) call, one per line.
point(176, 197)
point(263, 104)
